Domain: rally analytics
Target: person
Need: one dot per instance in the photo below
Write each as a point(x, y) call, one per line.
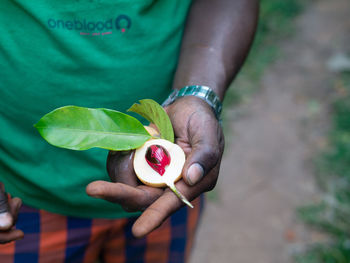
point(111, 54)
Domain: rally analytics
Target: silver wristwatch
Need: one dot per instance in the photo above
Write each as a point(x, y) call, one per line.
point(203, 92)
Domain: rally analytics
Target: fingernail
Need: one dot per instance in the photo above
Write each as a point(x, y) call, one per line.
point(195, 173)
point(5, 220)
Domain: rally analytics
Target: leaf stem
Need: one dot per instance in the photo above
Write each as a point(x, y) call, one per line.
point(171, 185)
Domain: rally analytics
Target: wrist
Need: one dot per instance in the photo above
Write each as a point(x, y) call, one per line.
point(203, 92)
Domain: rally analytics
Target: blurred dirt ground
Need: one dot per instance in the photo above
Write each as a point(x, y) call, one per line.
point(266, 171)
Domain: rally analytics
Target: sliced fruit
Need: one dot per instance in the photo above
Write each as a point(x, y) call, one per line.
point(148, 175)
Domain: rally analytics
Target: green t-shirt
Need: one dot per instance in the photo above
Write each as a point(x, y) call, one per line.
point(92, 53)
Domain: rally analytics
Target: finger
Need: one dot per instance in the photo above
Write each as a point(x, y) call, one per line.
point(9, 218)
point(120, 167)
point(6, 219)
point(168, 203)
point(4, 207)
point(164, 206)
point(12, 235)
point(207, 142)
point(156, 214)
point(130, 198)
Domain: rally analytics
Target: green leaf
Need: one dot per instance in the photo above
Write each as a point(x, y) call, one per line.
point(153, 112)
point(79, 128)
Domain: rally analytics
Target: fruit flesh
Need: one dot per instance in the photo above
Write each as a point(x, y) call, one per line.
point(152, 131)
point(148, 175)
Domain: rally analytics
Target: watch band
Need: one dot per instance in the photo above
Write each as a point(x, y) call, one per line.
point(203, 92)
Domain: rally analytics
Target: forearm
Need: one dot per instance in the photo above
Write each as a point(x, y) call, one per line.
point(216, 41)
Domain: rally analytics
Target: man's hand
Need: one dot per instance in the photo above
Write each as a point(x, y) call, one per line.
point(8, 216)
point(212, 52)
point(200, 135)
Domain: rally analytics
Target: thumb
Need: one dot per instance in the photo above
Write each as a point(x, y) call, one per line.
point(203, 158)
point(6, 219)
point(207, 145)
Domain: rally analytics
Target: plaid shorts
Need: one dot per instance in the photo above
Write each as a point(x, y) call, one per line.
point(51, 238)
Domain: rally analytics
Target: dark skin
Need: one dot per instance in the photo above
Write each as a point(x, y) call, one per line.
point(9, 210)
point(217, 38)
point(216, 41)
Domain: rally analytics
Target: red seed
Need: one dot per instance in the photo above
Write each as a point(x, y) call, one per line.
point(158, 158)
